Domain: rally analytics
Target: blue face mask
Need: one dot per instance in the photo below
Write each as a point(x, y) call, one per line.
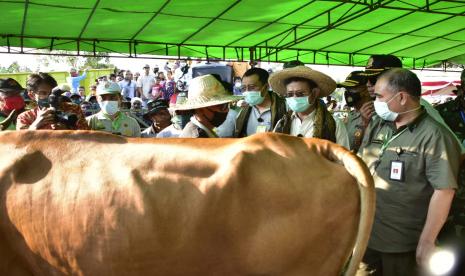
point(298, 104)
point(253, 97)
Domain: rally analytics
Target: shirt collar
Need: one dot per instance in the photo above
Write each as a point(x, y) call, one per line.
point(210, 133)
point(413, 124)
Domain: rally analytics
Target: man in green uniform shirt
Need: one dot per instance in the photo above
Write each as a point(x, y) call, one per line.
point(414, 161)
point(110, 118)
point(356, 95)
point(453, 112)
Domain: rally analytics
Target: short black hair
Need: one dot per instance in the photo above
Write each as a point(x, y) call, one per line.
point(261, 73)
point(310, 83)
point(385, 61)
point(399, 79)
point(292, 64)
point(34, 80)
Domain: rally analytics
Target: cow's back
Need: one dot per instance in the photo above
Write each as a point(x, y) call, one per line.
point(97, 204)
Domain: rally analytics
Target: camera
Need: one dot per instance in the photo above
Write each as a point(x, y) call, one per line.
point(67, 119)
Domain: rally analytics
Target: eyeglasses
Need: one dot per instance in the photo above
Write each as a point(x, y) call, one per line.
point(296, 94)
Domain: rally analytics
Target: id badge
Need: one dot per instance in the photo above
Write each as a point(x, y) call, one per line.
point(397, 170)
point(261, 129)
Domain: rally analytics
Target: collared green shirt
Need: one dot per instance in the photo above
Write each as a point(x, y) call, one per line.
point(121, 125)
point(430, 156)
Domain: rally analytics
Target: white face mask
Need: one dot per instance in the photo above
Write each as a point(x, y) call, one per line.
point(109, 107)
point(383, 111)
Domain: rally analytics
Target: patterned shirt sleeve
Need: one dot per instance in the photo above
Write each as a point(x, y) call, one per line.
point(25, 119)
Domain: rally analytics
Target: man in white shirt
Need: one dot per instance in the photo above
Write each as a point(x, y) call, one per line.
point(145, 83)
point(128, 86)
point(309, 117)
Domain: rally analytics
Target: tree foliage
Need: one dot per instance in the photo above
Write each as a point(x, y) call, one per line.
point(99, 61)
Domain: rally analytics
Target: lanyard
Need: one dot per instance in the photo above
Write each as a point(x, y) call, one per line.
point(387, 142)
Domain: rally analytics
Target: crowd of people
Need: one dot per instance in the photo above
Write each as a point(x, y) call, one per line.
point(412, 149)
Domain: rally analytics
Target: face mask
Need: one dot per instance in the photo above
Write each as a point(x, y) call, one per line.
point(181, 120)
point(253, 97)
point(76, 101)
point(382, 109)
point(43, 102)
point(298, 104)
point(13, 103)
point(218, 118)
point(109, 107)
point(352, 98)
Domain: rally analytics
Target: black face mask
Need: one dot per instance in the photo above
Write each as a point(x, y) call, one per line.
point(352, 98)
point(43, 103)
point(218, 118)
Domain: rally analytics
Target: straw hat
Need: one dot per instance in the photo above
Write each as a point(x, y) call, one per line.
point(326, 84)
point(205, 91)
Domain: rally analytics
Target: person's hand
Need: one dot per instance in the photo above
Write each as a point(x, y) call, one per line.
point(58, 126)
point(44, 116)
point(367, 110)
point(424, 251)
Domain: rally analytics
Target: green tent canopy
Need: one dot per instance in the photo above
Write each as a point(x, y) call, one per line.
point(422, 32)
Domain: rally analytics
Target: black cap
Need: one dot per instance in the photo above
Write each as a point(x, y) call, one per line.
point(154, 106)
point(354, 79)
point(9, 86)
point(381, 63)
point(293, 63)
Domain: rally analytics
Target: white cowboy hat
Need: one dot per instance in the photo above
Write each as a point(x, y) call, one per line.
point(326, 84)
point(205, 91)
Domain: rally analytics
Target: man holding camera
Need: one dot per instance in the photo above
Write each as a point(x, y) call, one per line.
point(50, 112)
point(110, 118)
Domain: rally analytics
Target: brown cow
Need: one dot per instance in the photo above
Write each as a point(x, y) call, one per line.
point(89, 203)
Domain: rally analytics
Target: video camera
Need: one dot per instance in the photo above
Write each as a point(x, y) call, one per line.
point(54, 100)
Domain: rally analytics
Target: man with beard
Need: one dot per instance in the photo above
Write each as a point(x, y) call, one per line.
point(209, 102)
point(11, 103)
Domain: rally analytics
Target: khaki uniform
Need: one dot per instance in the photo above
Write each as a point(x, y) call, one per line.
point(429, 155)
point(122, 125)
point(355, 129)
